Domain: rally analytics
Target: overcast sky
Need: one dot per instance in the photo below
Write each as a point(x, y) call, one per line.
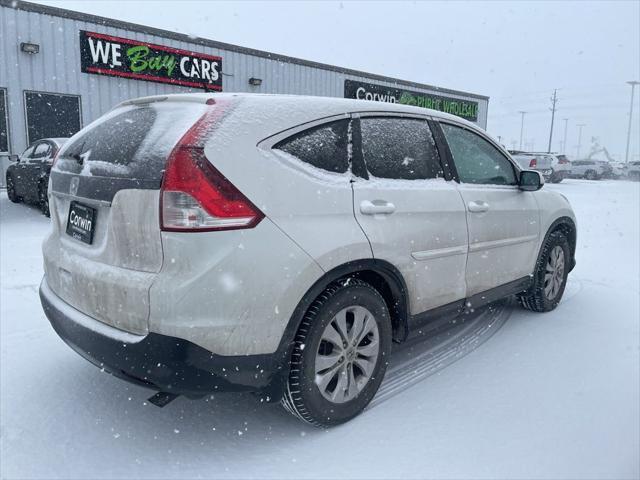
point(516, 53)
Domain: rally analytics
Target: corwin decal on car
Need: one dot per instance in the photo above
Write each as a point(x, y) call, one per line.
point(379, 93)
point(115, 56)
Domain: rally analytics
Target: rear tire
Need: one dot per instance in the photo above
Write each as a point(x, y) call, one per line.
point(550, 276)
point(556, 178)
point(43, 199)
point(590, 175)
point(11, 190)
point(340, 354)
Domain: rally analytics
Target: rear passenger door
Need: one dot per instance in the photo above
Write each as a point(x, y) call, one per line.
point(411, 215)
point(503, 220)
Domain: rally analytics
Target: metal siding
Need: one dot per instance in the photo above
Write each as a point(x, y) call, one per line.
point(56, 69)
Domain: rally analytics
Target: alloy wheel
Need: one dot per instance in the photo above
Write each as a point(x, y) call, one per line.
point(554, 274)
point(347, 354)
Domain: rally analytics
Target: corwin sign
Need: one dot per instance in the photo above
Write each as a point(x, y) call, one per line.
point(368, 91)
point(108, 55)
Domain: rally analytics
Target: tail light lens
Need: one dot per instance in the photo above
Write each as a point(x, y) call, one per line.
point(533, 163)
point(55, 157)
point(194, 195)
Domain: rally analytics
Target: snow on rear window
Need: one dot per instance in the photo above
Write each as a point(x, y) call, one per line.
point(131, 141)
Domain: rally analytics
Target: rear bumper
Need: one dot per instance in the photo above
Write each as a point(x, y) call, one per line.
point(161, 362)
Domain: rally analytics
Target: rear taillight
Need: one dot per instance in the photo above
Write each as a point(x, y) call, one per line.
point(194, 195)
point(55, 158)
point(533, 163)
point(563, 161)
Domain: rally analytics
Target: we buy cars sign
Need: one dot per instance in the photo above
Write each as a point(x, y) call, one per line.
point(120, 57)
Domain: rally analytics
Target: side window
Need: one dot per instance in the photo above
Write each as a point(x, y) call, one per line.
point(324, 146)
point(41, 151)
point(401, 148)
point(26, 155)
point(476, 160)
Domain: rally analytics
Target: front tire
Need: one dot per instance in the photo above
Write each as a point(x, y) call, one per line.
point(11, 190)
point(550, 276)
point(340, 354)
point(590, 175)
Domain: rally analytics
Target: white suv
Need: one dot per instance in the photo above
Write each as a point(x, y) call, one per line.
point(280, 244)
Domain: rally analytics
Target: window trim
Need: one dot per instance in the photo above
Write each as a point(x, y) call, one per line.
point(358, 157)
point(268, 143)
point(26, 116)
point(310, 131)
point(481, 134)
point(4, 93)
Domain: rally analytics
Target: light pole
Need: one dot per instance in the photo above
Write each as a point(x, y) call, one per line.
point(633, 84)
point(521, 126)
point(579, 139)
point(564, 142)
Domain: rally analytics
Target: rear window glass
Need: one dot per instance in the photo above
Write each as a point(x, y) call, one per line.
point(131, 141)
point(323, 147)
point(400, 148)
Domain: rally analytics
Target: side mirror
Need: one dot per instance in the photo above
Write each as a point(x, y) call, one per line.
point(530, 180)
point(14, 158)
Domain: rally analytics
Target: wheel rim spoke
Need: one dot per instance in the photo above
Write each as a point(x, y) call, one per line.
point(323, 380)
point(332, 336)
point(554, 275)
point(369, 350)
point(341, 324)
point(352, 389)
point(325, 362)
point(365, 365)
point(340, 391)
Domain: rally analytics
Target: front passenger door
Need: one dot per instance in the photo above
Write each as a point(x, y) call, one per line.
point(503, 221)
point(33, 169)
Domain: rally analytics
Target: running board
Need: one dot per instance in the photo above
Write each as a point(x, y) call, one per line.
point(162, 399)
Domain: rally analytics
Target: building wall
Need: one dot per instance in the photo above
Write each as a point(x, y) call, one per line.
point(56, 68)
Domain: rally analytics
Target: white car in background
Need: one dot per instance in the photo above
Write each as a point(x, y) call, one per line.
point(554, 167)
point(590, 169)
point(561, 167)
point(542, 163)
point(633, 171)
point(618, 170)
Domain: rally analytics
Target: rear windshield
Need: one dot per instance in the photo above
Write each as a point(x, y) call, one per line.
point(129, 142)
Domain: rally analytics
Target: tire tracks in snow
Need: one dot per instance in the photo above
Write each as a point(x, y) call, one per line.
point(420, 358)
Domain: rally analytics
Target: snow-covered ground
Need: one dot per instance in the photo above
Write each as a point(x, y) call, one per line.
point(530, 395)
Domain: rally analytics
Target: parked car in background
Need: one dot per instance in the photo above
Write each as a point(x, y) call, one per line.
point(286, 256)
point(542, 163)
point(618, 170)
point(633, 171)
point(590, 169)
point(28, 178)
point(561, 167)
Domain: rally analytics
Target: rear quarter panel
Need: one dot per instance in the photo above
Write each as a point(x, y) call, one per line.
point(313, 207)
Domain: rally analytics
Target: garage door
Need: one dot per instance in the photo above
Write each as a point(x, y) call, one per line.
point(51, 115)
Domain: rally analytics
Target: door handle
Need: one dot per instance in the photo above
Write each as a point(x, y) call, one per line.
point(376, 207)
point(478, 206)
